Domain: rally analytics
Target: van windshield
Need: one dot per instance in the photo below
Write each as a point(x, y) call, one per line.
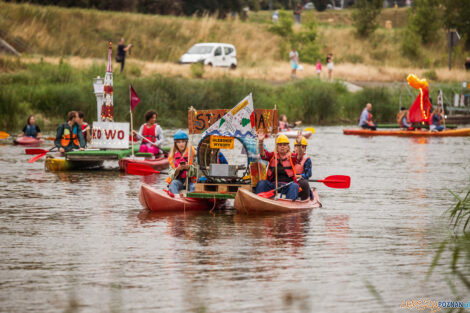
point(200, 50)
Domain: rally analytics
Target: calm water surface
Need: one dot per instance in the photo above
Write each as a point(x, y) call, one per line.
point(80, 242)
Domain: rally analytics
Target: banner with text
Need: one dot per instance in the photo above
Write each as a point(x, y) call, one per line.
point(110, 135)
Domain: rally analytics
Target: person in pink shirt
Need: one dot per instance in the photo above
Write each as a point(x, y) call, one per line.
point(318, 68)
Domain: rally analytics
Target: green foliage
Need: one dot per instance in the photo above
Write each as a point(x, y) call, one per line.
point(304, 40)
point(425, 20)
point(430, 75)
point(411, 45)
point(365, 16)
point(353, 58)
point(457, 15)
point(197, 69)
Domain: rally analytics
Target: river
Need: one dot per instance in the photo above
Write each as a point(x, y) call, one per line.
point(80, 241)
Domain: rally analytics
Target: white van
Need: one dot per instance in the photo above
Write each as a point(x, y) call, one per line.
point(212, 54)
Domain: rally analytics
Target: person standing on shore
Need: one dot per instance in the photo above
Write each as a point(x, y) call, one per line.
point(121, 53)
point(297, 12)
point(318, 68)
point(294, 62)
point(330, 66)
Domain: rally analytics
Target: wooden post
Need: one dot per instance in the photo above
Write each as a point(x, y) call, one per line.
point(132, 124)
point(275, 148)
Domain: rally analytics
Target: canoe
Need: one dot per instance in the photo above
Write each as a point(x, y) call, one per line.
point(293, 134)
point(58, 164)
point(28, 141)
point(159, 200)
point(248, 202)
point(157, 164)
point(405, 133)
point(388, 126)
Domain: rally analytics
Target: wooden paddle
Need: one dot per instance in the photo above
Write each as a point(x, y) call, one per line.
point(43, 154)
point(141, 169)
point(4, 135)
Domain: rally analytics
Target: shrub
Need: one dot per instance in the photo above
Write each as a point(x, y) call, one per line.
point(365, 16)
point(430, 75)
point(410, 47)
point(197, 69)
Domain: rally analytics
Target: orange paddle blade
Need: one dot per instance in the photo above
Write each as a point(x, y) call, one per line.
point(49, 138)
point(4, 135)
point(37, 157)
point(35, 151)
point(267, 194)
point(140, 169)
point(335, 181)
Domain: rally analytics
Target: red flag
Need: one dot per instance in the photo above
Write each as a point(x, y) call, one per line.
point(134, 98)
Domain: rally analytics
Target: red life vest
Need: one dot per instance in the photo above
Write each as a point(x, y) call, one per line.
point(175, 162)
point(149, 132)
point(286, 163)
point(299, 167)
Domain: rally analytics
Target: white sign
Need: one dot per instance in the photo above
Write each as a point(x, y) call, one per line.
point(110, 135)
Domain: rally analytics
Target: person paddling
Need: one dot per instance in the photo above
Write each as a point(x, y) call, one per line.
point(403, 119)
point(69, 135)
point(285, 168)
point(303, 167)
point(365, 120)
point(284, 124)
point(182, 169)
point(152, 132)
point(31, 129)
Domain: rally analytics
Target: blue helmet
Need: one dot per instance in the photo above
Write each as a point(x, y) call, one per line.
point(180, 135)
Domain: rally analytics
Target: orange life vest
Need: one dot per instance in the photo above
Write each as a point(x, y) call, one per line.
point(299, 167)
point(286, 163)
point(65, 140)
point(149, 132)
point(175, 162)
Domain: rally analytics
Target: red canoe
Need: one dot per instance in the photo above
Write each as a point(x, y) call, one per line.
point(28, 141)
point(157, 164)
point(159, 200)
point(249, 202)
point(406, 133)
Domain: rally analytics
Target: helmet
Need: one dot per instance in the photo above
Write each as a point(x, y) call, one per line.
point(180, 135)
point(282, 139)
point(303, 142)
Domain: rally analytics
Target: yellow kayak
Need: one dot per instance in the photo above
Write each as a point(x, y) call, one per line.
point(57, 164)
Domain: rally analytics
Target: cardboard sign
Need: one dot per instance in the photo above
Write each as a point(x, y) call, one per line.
point(110, 135)
point(201, 120)
point(221, 142)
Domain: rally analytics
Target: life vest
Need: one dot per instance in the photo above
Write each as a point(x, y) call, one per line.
point(286, 164)
point(175, 162)
point(67, 137)
point(31, 131)
point(400, 115)
point(299, 167)
point(149, 132)
point(283, 126)
point(431, 119)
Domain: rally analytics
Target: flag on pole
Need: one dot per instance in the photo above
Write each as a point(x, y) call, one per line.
point(134, 98)
point(238, 122)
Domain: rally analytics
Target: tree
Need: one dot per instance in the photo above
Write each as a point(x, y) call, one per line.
point(425, 20)
point(365, 16)
point(457, 15)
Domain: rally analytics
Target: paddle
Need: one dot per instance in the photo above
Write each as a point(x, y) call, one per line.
point(334, 181)
point(4, 135)
point(141, 169)
point(35, 151)
point(310, 129)
point(43, 154)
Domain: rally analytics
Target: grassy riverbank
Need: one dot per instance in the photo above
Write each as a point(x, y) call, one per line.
point(51, 90)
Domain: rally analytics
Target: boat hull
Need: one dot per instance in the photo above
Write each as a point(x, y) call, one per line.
point(61, 164)
point(157, 164)
point(293, 134)
point(28, 141)
point(404, 133)
point(248, 202)
point(159, 200)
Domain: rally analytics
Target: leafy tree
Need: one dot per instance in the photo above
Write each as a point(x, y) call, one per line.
point(365, 16)
point(425, 20)
point(457, 15)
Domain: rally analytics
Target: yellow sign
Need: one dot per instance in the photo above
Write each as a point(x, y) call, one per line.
point(237, 109)
point(221, 142)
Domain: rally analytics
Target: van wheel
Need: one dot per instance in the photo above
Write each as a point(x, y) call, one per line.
point(210, 64)
point(233, 66)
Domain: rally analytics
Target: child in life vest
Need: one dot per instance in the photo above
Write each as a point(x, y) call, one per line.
point(182, 169)
point(151, 134)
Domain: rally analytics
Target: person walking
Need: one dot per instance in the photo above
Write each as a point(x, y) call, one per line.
point(297, 12)
point(330, 65)
point(121, 53)
point(294, 62)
